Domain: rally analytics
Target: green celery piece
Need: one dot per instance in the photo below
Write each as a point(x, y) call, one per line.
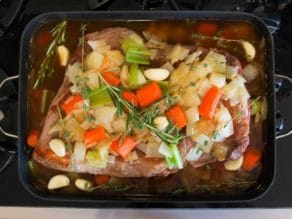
point(99, 96)
point(139, 51)
point(135, 76)
point(133, 40)
point(137, 58)
point(170, 162)
point(176, 156)
point(164, 85)
point(97, 158)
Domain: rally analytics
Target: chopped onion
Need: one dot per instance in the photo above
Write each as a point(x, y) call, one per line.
point(224, 128)
point(119, 125)
point(251, 71)
point(231, 71)
point(124, 76)
point(168, 66)
point(132, 156)
point(115, 57)
point(194, 154)
point(193, 57)
point(99, 46)
point(203, 86)
point(165, 150)
point(200, 70)
point(217, 61)
point(150, 149)
point(217, 79)
point(93, 60)
point(93, 79)
point(190, 97)
point(179, 75)
point(73, 71)
point(79, 151)
point(178, 53)
point(56, 128)
point(204, 142)
point(192, 114)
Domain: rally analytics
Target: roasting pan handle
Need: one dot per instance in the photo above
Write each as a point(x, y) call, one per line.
point(288, 133)
point(4, 132)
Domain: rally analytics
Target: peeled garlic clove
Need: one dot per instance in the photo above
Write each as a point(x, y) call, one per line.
point(58, 147)
point(249, 50)
point(160, 122)
point(156, 74)
point(64, 54)
point(83, 184)
point(233, 165)
point(58, 181)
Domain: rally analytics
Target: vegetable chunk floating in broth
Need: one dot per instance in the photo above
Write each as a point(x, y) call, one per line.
point(134, 106)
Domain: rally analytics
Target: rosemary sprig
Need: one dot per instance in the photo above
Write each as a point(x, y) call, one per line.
point(46, 68)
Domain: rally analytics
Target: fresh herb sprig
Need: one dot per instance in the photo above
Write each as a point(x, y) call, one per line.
point(46, 68)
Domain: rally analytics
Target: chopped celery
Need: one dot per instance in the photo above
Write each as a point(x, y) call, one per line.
point(137, 58)
point(133, 40)
point(170, 162)
point(139, 51)
point(136, 77)
point(99, 96)
point(176, 156)
point(97, 158)
point(164, 85)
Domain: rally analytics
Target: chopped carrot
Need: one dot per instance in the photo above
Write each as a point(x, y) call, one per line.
point(111, 78)
point(102, 179)
point(130, 97)
point(123, 146)
point(148, 94)
point(251, 159)
point(210, 102)
point(207, 28)
point(94, 135)
point(177, 116)
point(33, 137)
point(70, 103)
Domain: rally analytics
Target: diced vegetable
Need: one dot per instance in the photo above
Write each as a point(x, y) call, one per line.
point(132, 41)
point(200, 70)
point(104, 116)
point(99, 46)
point(70, 103)
point(58, 147)
point(190, 97)
point(94, 135)
point(210, 102)
point(251, 159)
point(97, 158)
point(136, 78)
point(193, 57)
point(178, 53)
point(204, 143)
point(156, 74)
point(33, 137)
point(176, 156)
point(99, 96)
point(73, 72)
point(72, 130)
point(58, 181)
point(165, 150)
point(249, 50)
point(102, 179)
point(124, 76)
point(63, 54)
point(232, 71)
point(202, 86)
point(194, 154)
point(217, 79)
point(123, 146)
point(92, 79)
point(160, 122)
point(177, 116)
point(111, 78)
point(170, 162)
point(138, 55)
point(93, 60)
point(179, 74)
point(192, 114)
point(207, 28)
point(233, 165)
point(119, 125)
point(148, 94)
point(131, 156)
point(217, 61)
point(164, 85)
point(115, 57)
point(83, 184)
point(79, 152)
point(130, 97)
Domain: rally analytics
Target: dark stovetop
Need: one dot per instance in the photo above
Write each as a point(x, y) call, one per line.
point(12, 193)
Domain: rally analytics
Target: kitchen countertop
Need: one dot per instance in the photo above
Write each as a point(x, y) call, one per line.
point(70, 213)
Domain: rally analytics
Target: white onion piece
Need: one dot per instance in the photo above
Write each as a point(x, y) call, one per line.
point(160, 122)
point(217, 79)
point(168, 66)
point(194, 154)
point(124, 76)
point(142, 147)
point(164, 150)
point(250, 71)
point(99, 46)
point(93, 60)
point(79, 151)
point(231, 71)
point(73, 71)
point(193, 57)
point(204, 142)
point(178, 53)
point(152, 150)
point(56, 128)
point(217, 60)
point(225, 125)
point(132, 156)
point(192, 114)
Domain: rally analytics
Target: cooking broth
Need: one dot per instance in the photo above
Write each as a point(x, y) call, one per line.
point(212, 178)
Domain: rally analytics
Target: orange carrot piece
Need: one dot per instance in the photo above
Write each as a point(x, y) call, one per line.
point(177, 116)
point(207, 28)
point(94, 135)
point(148, 94)
point(33, 137)
point(210, 102)
point(69, 104)
point(102, 179)
point(130, 97)
point(111, 78)
point(251, 159)
point(123, 146)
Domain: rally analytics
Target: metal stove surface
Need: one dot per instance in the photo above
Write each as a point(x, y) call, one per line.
point(12, 193)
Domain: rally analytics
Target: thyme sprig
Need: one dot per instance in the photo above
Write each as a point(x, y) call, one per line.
point(46, 68)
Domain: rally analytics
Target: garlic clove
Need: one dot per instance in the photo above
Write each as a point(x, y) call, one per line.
point(63, 54)
point(233, 165)
point(58, 147)
point(160, 122)
point(58, 181)
point(83, 184)
point(156, 74)
point(249, 50)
